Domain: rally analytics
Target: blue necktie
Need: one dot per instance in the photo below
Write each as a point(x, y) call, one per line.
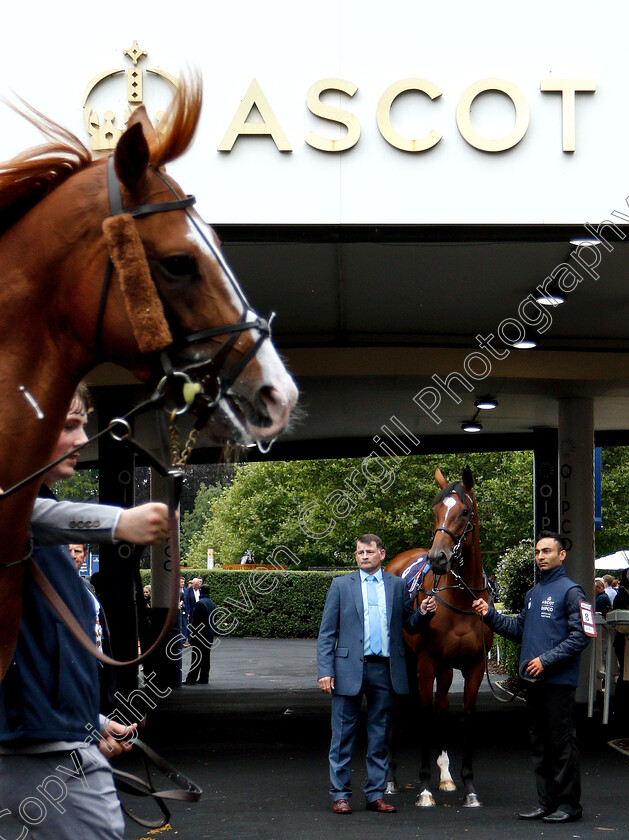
point(375, 639)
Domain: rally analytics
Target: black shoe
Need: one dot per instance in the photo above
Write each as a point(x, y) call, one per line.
point(537, 814)
point(188, 682)
point(560, 816)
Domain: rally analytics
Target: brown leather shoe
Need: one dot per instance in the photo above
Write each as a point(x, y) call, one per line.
point(381, 806)
point(341, 806)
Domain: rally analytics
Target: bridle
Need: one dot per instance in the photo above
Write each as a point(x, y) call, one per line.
point(457, 549)
point(211, 376)
point(457, 558)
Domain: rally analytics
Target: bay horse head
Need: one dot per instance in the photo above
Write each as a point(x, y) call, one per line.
point(455, 514)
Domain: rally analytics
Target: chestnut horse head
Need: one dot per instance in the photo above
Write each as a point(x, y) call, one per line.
point(456, 517)
point(108, 260)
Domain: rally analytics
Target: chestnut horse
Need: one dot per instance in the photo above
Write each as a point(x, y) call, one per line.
point(453, 639)
point(106, 260)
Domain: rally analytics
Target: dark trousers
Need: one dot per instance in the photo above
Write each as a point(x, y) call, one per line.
point(378, 690)
point(199, 672)
point(552, 734)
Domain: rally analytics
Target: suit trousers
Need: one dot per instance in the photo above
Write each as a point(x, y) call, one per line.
point(377, 689)
point(552, 735)
point(200, 668)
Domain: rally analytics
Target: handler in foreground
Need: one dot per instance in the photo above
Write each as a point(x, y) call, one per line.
point(551, 629)
point(361, 651)
point(55, 780)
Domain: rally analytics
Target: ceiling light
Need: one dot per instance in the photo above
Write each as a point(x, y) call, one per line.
point(486, 403)
point(550, 299)
point(472, 427)
point(525, 344)
point(586, 243)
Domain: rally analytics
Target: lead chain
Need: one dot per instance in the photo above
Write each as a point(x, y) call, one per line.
point(180, 459)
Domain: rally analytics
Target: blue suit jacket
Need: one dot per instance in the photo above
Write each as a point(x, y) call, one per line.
point(340, 647)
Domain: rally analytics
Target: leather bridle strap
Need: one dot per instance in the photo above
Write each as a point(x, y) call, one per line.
point(116, 208)
point(186, 790)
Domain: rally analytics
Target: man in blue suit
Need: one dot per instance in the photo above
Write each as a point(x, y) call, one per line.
point(360, 651)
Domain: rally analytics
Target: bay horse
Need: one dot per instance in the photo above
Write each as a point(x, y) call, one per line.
point(454, 636)
point(106, 260)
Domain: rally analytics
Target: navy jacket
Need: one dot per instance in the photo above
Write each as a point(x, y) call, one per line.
point(51, 691)
point(549, 626)
point(203, 618)
point(340, 647)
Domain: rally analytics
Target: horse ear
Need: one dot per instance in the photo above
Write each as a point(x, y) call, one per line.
point(468, 480)
point(440, 479)
point(131, 156)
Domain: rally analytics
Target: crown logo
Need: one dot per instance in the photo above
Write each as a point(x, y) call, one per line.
point(105, 131)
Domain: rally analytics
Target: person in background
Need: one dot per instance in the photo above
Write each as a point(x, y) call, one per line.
point(602, 604)
point(609, 589)
point(201, 635)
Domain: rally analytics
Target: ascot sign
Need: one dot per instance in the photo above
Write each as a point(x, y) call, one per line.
point(269, 126)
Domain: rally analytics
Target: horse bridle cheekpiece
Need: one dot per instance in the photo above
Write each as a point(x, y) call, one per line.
point(146, 309)
point(457, 550)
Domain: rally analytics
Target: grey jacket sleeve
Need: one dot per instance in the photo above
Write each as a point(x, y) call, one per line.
point(57, 523)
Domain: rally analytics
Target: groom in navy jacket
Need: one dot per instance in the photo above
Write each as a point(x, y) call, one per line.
point(360, 651)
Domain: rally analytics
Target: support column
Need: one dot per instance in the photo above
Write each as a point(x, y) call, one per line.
point(576, 475)
point(545, 481)
point(116, 483)
point(167, 666)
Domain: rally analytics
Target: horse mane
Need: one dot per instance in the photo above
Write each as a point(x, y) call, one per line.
point(31, 175)
point(177, 128)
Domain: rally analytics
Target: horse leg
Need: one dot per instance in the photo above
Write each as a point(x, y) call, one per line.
point(392, 785)
point(473, 679)
point(442, 706)
point(426, 678)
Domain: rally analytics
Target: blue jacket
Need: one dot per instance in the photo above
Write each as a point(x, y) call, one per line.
point(51, 691)
point(340, 647)
point(549, 626)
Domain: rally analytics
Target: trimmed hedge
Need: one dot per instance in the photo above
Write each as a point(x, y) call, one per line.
point(509, 654)
point(264, 602)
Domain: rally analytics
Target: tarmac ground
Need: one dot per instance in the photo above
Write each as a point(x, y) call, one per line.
point(256, 740)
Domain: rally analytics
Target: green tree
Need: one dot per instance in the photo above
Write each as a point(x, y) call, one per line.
point(81, 487)
point(318, 508)
point(615, 512)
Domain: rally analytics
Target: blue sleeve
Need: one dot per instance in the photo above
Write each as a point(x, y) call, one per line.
point(414, 620)
point(504, 625)
point(576, 640)
point(328, 632)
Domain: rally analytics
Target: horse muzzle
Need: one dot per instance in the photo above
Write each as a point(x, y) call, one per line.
point(440, 561)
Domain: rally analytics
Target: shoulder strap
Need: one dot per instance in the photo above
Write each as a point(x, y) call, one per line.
point(66, 616)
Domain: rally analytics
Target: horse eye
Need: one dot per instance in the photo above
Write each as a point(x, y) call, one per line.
point(465, 511)
point(180, 265)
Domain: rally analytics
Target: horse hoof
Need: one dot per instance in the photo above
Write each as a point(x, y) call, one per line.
point(425, 800)
point(392, 787)
point(472, 801)
point(447, 785)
